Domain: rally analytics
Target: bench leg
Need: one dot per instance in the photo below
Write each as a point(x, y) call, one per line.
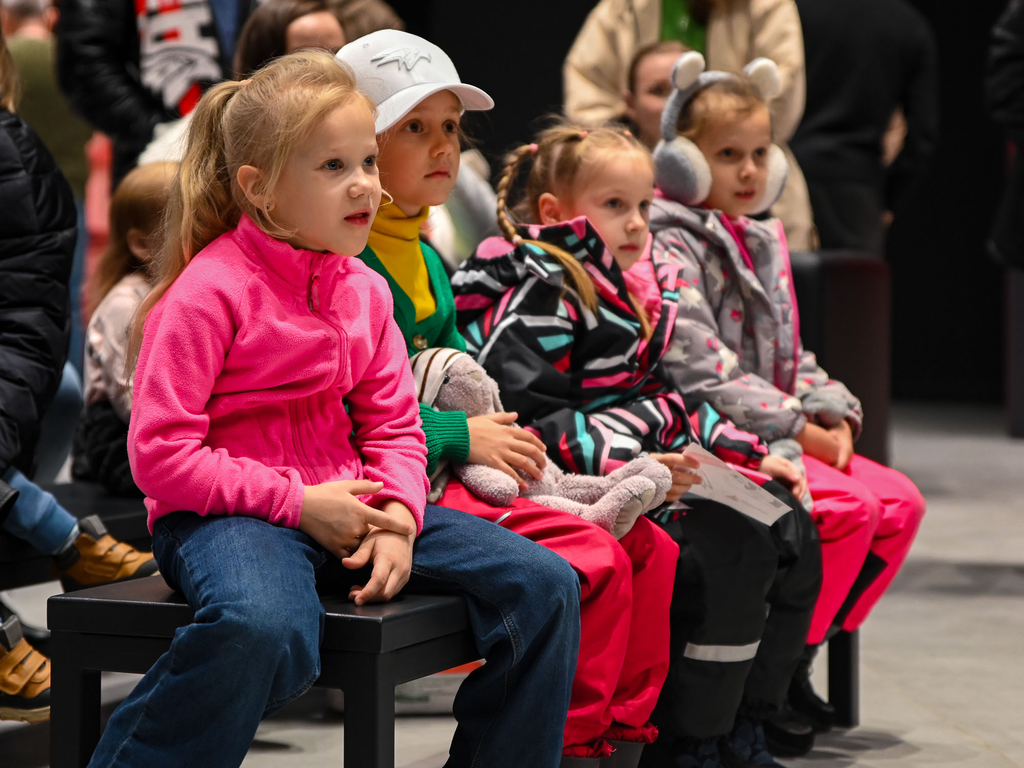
point(370, 713)
point(74, 705)
point(844, 678)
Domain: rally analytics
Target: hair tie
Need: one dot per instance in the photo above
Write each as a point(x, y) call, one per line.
point(583, 135)
point(629, 133)
point(517, 240)
point(533, 149)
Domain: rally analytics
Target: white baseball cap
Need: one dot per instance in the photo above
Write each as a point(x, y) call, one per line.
point(398, 71)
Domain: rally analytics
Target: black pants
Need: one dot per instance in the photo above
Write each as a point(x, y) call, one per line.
point(742, 605)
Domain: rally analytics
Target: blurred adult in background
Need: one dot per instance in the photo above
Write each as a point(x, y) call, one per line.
point(28, 28)
point(648, 86)
point(1004, 90)
point(729, 33)
point(867, 61)
point(126, 70)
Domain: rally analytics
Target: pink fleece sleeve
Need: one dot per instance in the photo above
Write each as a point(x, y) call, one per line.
point(187, 336)
point(386, 417)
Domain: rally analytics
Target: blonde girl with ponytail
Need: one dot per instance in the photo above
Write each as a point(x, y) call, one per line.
point(276, 435)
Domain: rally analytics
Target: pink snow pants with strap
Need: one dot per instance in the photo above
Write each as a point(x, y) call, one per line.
point(626, 590)
point(866, 508)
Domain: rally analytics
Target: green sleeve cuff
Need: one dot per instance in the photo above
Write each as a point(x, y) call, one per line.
point(447, 436)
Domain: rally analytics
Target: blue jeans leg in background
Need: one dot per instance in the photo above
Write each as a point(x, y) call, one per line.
point(36, 517)
point(57, 430)
point(255, 641)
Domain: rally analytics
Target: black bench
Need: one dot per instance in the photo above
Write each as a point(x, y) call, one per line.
point(366, 652)
point(21, 564)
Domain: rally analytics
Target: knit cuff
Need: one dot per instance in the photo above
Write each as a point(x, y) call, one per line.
point(447, 436)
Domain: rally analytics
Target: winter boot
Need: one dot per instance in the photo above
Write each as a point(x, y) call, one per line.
point(95, 557)
point(682, 753)
point(746, 746)
point(802, 698)
point(788, 733)
point(24, 677)
point(629, 743)
point(586, 755)
point(38, 637)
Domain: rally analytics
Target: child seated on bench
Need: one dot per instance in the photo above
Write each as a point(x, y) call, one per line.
point(578, 350)
point(737, 344)
point(119, 283)
point(276, 433)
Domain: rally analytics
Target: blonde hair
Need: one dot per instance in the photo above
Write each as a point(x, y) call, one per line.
point(255, 122)
point(726, 99)
point(138, 203)
point(564, 157)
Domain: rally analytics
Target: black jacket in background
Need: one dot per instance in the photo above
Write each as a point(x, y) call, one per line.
point(98, 70)
point(1004, 91)
point(37, 244)
point(864, 59)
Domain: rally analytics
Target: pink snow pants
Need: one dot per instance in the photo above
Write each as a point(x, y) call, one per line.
point(866, 508)
point(626, 590)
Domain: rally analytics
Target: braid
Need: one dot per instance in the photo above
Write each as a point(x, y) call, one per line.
point(508, 177)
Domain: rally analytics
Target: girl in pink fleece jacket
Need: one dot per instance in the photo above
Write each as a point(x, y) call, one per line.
point(276, 434)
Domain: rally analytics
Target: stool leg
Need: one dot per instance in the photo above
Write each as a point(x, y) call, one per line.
point(74, 705)
point(844, 678)
point(370, 713)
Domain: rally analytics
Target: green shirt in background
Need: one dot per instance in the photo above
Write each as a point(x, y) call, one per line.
point(44, 107)
point(678, 23)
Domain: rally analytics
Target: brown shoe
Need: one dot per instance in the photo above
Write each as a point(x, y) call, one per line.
point(97, 558)
point(24, 677)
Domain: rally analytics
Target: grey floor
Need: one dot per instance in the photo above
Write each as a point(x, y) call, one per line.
point(942, 672)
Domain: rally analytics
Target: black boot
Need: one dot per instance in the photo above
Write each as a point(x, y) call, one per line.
point(802, 698)
point(788, 733)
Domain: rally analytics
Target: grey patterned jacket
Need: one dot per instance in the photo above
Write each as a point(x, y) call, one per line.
point(737, 334)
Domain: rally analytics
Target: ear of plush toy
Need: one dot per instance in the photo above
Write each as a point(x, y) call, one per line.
point(467, 387)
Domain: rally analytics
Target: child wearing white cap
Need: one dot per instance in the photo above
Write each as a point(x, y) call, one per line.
point(420, 101)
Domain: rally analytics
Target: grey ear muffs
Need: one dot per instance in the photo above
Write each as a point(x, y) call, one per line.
point(680, 169)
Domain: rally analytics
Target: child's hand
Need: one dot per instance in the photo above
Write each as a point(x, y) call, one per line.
point(335, 518)
point(786, 472)
point(684, 473)
point(391, 555)
point(819, 443)
point(493, 442)
point(843, 432)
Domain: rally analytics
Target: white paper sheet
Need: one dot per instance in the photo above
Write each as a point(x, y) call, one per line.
point(723, 484)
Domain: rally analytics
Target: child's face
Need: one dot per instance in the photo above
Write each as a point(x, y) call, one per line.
point(653, 87)
point(329, 189)
point(737, 152)
point(419, 157)
point(616, 199)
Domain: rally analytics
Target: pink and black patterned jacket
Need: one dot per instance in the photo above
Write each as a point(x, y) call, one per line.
point(737, 331)
point(590, 386)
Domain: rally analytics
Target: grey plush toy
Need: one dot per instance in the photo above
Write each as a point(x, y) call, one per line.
point(450, 380)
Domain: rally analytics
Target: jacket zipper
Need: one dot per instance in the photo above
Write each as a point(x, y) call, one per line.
point(313, 301)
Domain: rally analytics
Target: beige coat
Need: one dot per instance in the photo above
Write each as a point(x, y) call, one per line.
point(597, 68)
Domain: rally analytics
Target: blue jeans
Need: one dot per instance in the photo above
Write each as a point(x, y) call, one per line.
point(57, 429)
point(36, 517)
point(254, 644)
point(76, 350)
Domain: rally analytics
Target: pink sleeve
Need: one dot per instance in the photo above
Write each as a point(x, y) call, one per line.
point(386, 417)
point(183, 349)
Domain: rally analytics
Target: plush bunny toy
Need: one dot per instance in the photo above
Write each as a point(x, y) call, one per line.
point(450, 380)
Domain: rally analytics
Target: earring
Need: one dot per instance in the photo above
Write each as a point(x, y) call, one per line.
point(268, 206)
point(390, 199)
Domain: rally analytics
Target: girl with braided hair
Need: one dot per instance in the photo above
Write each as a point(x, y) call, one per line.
point(573, 316)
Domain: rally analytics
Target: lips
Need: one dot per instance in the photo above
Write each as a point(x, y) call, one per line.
point(359, 218)
point(629, 247)
point(441, 173)
point(746, 194)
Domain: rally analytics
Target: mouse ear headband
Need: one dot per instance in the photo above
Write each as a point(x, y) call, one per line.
point(680, 168)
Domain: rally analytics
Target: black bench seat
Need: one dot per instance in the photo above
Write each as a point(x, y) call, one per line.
point(366, 652)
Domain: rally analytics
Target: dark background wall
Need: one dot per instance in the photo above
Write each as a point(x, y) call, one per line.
point(948, 296)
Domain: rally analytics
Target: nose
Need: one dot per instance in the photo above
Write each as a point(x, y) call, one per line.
point(636, 222)
point(748, 168)
point(365, 184)
point(441, 145)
